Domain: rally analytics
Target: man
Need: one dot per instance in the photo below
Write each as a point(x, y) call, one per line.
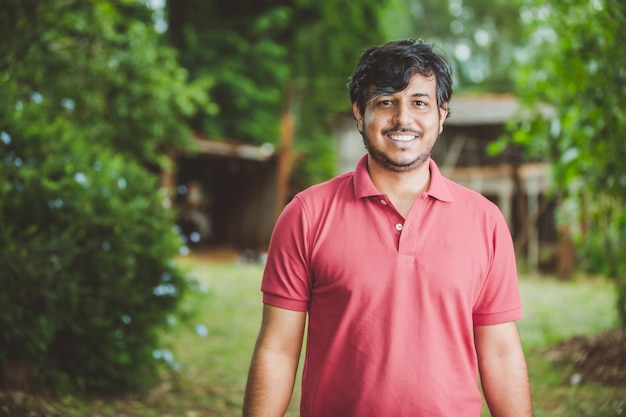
point(408, 279)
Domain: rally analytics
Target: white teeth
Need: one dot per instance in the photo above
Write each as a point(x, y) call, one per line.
point(402, 138)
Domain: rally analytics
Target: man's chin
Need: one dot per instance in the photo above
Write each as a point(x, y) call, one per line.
point(399, 165)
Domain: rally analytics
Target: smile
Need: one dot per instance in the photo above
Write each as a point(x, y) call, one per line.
point(402, 138)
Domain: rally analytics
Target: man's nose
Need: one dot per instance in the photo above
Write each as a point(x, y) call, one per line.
point(402, 115)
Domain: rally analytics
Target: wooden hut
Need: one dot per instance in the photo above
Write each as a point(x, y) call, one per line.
point(227, 193)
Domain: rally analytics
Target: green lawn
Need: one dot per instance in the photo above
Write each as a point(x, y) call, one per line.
point(213, 345)
point(555, 311)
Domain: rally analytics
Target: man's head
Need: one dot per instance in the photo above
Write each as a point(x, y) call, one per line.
point(388, 69)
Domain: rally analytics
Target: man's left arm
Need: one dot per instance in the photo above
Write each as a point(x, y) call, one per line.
point(503, 372)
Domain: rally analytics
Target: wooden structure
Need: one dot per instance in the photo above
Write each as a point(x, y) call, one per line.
point(227, 193)
point(519, 186)
point(230, 193)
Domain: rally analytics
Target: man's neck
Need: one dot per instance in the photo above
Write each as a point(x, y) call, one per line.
point(402, 188)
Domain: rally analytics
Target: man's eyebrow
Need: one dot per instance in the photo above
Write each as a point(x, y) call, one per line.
point(420, 95)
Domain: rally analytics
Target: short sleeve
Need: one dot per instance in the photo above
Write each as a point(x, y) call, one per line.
point(499, 300)
point(287, 276)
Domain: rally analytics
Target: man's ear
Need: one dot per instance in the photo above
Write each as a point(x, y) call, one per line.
point(443, 115)
point(357, 116)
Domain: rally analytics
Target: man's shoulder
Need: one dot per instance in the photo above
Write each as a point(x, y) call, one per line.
point(337, 185)
point(464, 195)
point(317, 201)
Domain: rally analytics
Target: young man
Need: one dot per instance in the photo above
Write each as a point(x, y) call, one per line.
point(408, 279)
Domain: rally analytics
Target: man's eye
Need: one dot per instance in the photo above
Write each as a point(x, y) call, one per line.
point(420, 103)
point(385, 103)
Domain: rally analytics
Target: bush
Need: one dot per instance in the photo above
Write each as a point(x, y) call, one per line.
point(87, 278)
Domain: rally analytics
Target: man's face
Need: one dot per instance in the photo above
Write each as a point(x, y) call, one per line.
point(401, 129)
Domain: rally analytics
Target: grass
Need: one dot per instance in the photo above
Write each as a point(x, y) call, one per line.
point(214, 344)
point(555, 311)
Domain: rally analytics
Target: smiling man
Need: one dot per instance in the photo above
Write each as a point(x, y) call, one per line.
point(408, 280)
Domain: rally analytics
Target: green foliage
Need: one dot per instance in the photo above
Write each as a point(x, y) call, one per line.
point(101, 65)
point(268, 57)
point(90, 100)
point(316, 162)
point(479, 37)
point(574, 65)
point(235, 44)
point(84, 249)
point(330, 37)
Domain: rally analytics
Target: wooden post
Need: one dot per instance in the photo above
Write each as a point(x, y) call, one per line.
point(285, 149)
point(531, 224)
point(168, 177)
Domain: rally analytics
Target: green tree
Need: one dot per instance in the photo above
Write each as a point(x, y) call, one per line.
point(266, 55)
point(90, 99)
point(575, 64)
point(480, 37)
point(237, 44)
point(328, 38)
point(100, 64)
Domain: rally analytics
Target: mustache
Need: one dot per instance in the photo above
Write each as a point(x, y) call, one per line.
point(399, 129)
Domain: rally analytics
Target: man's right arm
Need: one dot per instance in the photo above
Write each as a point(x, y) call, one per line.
point(274, 363)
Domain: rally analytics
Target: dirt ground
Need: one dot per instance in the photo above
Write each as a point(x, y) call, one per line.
point(600, 358)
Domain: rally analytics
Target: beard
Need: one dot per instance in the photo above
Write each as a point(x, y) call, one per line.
point(393, 165)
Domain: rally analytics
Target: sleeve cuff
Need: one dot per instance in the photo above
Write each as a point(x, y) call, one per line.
point(497, 318)
point(286, 303)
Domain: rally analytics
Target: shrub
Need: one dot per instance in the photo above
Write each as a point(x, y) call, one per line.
point(85, 247)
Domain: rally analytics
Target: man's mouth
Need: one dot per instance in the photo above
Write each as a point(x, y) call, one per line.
point(402, 138)
point(399, 134)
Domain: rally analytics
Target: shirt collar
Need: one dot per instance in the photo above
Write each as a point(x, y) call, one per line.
point(364, 187)
point(438, 187)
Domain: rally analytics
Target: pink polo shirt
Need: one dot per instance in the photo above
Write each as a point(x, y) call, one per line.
point(392, 302)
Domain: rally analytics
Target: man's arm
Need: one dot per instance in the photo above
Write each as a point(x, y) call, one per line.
point(503, 371)
point(274, 363)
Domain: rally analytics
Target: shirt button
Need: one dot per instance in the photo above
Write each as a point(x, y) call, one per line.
point(383, 202)
point(398, 226)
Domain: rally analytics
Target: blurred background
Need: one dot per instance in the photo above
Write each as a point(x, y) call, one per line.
point(148, 146)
